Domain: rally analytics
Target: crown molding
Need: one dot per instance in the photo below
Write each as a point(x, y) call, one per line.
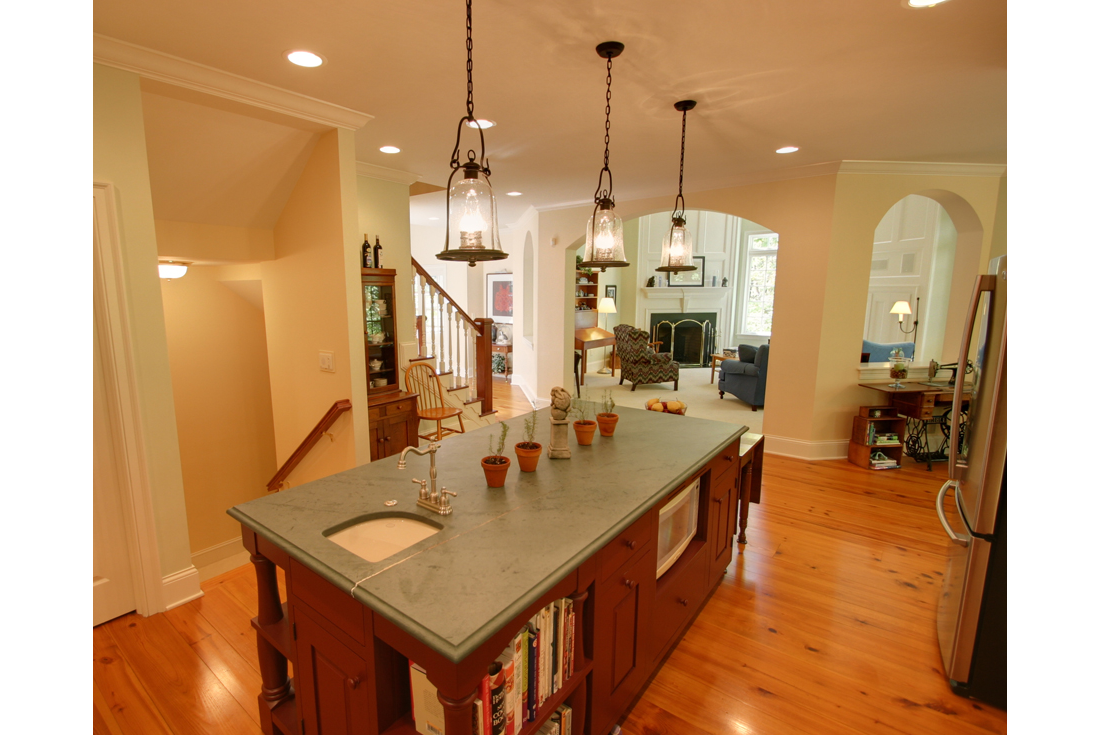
point(385, 174)
point(190, 75)
point(919, 168)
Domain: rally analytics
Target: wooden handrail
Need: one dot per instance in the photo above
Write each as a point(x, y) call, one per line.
point(314, 436)
point(431, 281)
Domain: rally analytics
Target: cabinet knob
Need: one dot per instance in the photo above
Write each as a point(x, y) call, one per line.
point(353, 682)
point(717, 500)
point(682, 601)
point(630, 583)
point(728, 457)
point(630, 544)
point(387, 438)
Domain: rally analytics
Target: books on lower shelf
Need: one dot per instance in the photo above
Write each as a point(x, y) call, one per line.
point(883, 464)
point(539, 659)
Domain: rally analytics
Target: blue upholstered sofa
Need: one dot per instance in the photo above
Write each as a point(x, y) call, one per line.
point(746, 380)
point(880, 352)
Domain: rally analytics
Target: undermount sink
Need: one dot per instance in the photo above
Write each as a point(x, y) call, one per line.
point(381, 535)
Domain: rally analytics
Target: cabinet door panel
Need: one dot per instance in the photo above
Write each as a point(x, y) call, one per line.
point(723, 507)
point(624, 609)
point(334, 686)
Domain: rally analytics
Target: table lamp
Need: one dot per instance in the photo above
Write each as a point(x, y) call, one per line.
point(606, 306)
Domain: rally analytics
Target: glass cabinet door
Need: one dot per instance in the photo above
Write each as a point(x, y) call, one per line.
point(380, 336)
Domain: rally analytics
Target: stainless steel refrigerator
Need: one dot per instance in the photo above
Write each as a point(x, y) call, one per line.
point(972, 616)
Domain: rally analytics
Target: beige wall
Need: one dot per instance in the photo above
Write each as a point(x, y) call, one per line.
point(120, 159)
point(191, 241)
point(306, 310)
point(218, 352)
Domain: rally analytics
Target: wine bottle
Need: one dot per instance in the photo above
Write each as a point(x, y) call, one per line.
point(377, 252)
point(366, 255)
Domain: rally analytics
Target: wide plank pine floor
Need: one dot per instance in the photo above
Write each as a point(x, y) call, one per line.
point(824, 623)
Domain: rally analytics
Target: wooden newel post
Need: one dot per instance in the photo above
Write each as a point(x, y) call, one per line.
point(273, 668)
point(484, 358)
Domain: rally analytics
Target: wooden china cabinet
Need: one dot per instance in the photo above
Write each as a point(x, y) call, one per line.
point(392, 412)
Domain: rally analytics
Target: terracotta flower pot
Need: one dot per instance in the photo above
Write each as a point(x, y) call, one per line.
point(528, 458)
point(607, 423)
point(495, 473)
point(585, 431)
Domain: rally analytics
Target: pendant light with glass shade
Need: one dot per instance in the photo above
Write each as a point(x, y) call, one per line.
point(676, 247)
point(603, 241)
point(471, 207)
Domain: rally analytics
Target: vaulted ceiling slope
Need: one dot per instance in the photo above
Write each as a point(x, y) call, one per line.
point(845, 79)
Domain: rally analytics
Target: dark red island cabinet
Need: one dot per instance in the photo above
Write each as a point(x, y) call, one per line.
point(330, 665)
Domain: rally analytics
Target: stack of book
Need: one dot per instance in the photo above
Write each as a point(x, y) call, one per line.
point(886, 439)
point(534, 666)
point(883, 464)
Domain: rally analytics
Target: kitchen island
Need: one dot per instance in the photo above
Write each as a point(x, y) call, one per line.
point(583, 528)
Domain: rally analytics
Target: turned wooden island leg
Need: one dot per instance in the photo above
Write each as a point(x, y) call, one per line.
point(579, 700)
point(458, 714)
point(273, 666)
point(744, 493)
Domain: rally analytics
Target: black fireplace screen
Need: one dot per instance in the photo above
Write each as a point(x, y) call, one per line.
point(690, 337)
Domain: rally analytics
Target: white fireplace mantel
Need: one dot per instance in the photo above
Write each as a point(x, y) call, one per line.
point(684, 299)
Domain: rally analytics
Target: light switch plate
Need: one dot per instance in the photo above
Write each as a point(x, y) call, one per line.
point(327, 363)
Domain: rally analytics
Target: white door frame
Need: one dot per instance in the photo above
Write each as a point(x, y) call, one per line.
point(109, 295)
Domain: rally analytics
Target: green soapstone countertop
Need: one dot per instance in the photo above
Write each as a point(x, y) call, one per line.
point(500, 549)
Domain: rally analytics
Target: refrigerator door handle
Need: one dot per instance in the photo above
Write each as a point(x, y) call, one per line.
point(943, 519)
point(982, 283)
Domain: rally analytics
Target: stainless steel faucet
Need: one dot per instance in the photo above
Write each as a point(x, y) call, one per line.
point(434, 500)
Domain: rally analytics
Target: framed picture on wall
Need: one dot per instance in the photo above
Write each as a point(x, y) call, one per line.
point(611, 292)
point(690, 278)
point(498, 297)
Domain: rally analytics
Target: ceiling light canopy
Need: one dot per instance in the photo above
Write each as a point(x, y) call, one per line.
point(787, 149)
point(603, 241)
point(471, 207)
point(924, 3)
point(390, 149)
point(676, 247)
point(515, 193)
point(481, 123)
point(304, 58)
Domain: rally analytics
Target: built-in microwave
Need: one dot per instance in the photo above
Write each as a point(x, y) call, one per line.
point(679, 520)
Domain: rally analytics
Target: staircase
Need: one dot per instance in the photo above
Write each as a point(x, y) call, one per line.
point(458, 346)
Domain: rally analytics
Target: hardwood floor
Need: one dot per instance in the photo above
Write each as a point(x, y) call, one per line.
point(824, 623)
point(508, 400)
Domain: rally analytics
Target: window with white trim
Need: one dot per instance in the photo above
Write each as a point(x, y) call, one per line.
point(759, 253)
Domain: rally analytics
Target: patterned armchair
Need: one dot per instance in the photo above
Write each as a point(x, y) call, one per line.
point(640, 364)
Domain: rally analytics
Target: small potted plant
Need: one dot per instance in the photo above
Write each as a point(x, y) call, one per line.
point(584, 427)
point(608, 418)
point(496, 464)
point(528, 451)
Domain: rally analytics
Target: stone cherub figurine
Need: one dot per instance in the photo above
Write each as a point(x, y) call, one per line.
point(560, 402)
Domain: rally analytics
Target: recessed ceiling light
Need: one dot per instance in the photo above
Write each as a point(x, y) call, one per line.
point(515, 193)
point(390, 149)
point(480, 123)
point(304, 58)
point(924, 3)
point(787, 149)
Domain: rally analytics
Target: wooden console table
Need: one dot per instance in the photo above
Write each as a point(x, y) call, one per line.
point(923, 406)
point(589, 339)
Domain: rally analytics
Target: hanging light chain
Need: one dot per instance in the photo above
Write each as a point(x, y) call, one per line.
point(469, 59)
point(683, 141)
point(607, 121)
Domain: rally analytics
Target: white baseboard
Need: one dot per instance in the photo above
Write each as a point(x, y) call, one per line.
point(802, 449)
point(180, 587)
point(220, 558)
point(529, 393)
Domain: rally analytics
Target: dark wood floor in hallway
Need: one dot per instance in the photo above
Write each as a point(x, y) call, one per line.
point(824, 623)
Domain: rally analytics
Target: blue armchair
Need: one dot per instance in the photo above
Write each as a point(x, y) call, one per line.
point(880, 351)
point(746, 380)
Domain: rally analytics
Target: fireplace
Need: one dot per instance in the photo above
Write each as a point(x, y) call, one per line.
point(689, 337)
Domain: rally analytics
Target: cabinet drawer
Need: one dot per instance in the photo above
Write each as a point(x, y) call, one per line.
point(679, 597)
point(611, 557)
point(343, 611)
point(727, 459)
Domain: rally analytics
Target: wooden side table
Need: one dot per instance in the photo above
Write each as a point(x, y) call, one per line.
point(716, 360)
point(504, 350)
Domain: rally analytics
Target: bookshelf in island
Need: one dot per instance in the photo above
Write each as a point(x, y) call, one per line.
point(564, 557)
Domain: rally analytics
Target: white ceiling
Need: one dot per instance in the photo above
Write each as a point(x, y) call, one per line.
point(844, 79)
